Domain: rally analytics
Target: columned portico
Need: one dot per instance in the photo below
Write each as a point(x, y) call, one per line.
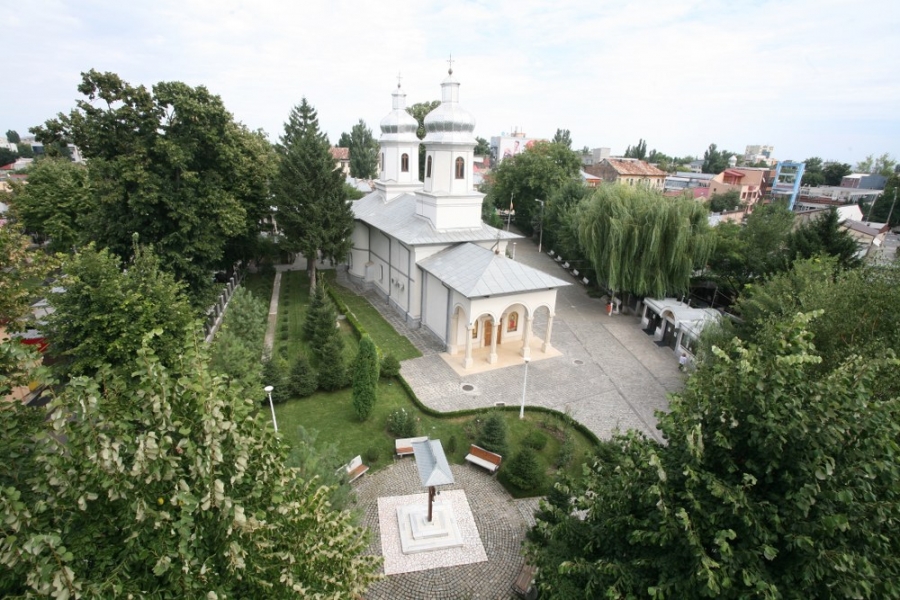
point(526, 338)
point(467, 361)
point(546, 346)
point(496, 333)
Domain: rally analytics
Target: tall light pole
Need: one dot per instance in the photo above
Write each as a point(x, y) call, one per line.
point(524, 389)
point(268, 390)
point(541, 235)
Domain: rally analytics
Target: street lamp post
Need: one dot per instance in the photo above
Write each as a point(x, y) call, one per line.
point(541, 235)
point(524, 389)
point(268, 390)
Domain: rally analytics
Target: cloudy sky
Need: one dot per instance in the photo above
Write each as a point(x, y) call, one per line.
point(811, 77)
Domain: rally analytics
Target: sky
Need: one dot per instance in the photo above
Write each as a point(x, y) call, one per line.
point(810, 77)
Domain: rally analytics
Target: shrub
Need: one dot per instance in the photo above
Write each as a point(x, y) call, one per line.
point(451, 445)
point(402, 424)
point(566, 451)
point(371, 455)
point(390, 366)
point(493, 435)
point(332, 372)
point(535, 440)
point(303, 381)
point(275, 373)
point(524, 471)
point(365, 378)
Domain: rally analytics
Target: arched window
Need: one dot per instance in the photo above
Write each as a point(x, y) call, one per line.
point(404, 163)
point(460, 168)
point(428, 167)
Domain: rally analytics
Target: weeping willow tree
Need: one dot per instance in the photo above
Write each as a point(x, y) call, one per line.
point(641, 242)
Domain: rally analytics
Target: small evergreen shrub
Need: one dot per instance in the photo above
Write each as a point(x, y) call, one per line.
point(390, 366)
point(402, 424)
point(451, 445)
point(566, 451)
point(303, 380)
point(275, 373)
point(332, 371)
point(535, 440)
point(524, 470)
point(493, 435)
point(371, 455)
point(365, 378)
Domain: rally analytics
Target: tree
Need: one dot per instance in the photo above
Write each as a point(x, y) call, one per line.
point(639, 151)
point(776, 481)
point(169, 164)
point(344, 141)
point(107, 310)
point(749, 253)
point(320, 323)
point(12, 136)
point(303, 380)
point(363, 152)
point(714, 160)
point(532, 175)
point(813, 174)
point(560, 220)
point(866, 165)
point(885, 209)
point(312, 211)
point(332, 370)
point(482, 148)
point(824, 236)
point(725, 201)
point(275, 373)
point(834, 172)
point(419, 111)
point(641, 242)
point(493, 436)
point(884, 165)
point(523, 470)
point(238, 345)
point(564, 137)
point(189, 494)
point(19, 268)
point(25, 150)
point(365, 378)
point(7, 156)
point(55, 203)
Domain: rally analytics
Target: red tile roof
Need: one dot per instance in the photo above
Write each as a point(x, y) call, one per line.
point(634, 167)
point(340, 153)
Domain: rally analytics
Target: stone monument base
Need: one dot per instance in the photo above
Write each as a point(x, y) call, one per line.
point(418, 535)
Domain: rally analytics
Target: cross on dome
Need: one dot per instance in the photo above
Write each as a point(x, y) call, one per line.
point(450, 62)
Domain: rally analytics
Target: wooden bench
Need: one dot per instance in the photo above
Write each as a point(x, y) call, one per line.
point(585, 281)
point(484, 458)
point(404, 446)
point(524, 584)
point(354, 469)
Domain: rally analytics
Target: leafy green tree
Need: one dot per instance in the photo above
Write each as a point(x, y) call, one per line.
point(344, 141)
point(365, 378)
point(190, 496)
point(7, 156)
point(639, 151)
point(493, 435)
point(107, 309)
point(25, 150)
point(419, 111)
point(309, 193)
point(641, 242)
point(483, 147)
point(12, 136)
point(332, 370)
point(824, 236)
point(714, 160)
point(749, 253)
point(275, 373)
point(884, 165)
point(532, 175)
point(777, 480)
point(238, 345)
point(813, 174)
point(363, 152)
point(170, 164)
point(19, 268)
point(866, 165)
point(303, 380)
point(725, 201)
point(321, 460)
point(563, 137)
point(885, 208)
point(320, 323)
point(834, 172)
point(55, 202)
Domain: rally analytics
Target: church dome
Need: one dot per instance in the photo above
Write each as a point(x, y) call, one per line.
point(450, 122)
point(399, 124)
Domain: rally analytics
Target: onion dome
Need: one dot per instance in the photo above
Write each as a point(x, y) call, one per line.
point(399, 125)
point(450, 122)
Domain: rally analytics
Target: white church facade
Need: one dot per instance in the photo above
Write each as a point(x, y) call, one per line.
point(423, 246)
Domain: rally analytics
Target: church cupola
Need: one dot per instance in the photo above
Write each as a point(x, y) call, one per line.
point(399, 144)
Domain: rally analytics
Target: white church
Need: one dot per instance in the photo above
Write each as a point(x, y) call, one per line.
point(425, 249)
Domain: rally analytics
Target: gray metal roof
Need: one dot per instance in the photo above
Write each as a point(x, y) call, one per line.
point(398, 219)
point(432, 463)
point(476, 272)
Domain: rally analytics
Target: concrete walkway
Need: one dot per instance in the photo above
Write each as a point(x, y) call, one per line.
point(610, 374)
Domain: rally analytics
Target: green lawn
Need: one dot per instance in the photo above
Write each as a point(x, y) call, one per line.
point(331, 414)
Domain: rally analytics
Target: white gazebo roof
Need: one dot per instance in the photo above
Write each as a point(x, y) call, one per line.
point(432, 463)
point(476, 272)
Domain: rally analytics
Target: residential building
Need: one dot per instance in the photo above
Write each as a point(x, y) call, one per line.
point(759, 153)
point(424, 248)
point(505, 146)
point(685, 180)
point(747, 182)
point(341, 158)
point(595, 156)
point(628, 171)
point(837, 194)
point(864, 181)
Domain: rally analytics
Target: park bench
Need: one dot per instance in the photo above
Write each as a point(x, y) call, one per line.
point(524, 584)
point(484, 458)
point(404, 446)
point(551, 254)
point(354, 469)
point(585, 281)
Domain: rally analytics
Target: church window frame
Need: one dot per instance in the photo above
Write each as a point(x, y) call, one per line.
point(428, 167)
point(460, 168)
point(404, 163)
